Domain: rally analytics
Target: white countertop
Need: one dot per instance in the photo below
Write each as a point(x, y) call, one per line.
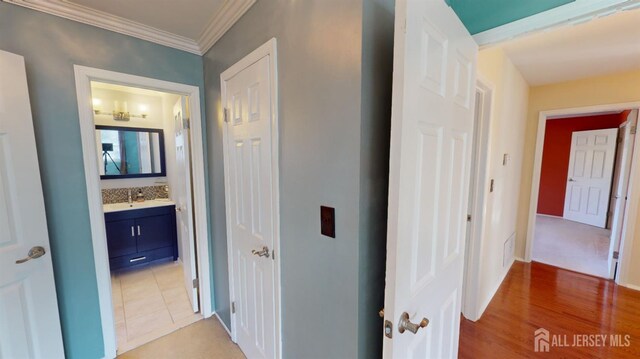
point(116, 207)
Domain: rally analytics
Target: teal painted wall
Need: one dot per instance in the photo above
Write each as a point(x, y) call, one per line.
point(51, 46)
point(481, 15)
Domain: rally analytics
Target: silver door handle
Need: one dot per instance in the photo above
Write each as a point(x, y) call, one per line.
point(572, 180)
point(138, 230)
point(261, 253)
point(133, 234)
point(405, 324)
point(35, 252)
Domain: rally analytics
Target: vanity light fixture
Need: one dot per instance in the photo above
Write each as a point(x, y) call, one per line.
point(118, 114)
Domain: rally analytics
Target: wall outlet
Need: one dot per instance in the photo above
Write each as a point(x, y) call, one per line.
point(509, 246)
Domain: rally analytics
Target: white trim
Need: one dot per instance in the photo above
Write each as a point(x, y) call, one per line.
point(267, 49)
point(222, 323)
point(228, 14)
point(572, 13)
point(632, 206)
point(218, 25)
point(472, 308)
point(83, 78)
point(630, 286)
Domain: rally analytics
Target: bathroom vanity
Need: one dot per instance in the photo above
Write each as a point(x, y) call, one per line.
point(139, 233)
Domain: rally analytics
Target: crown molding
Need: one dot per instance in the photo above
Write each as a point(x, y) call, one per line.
point(575, 12)
point(224, 18)
point(228, 14)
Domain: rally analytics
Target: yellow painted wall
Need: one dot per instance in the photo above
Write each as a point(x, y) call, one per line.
point(617, 88)
point(507, 133)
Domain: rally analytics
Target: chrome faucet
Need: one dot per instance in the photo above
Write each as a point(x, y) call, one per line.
point(129, 199)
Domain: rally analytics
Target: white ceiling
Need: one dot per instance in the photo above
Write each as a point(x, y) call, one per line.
point(602, 46)
point(188, 25)
point(186, 18)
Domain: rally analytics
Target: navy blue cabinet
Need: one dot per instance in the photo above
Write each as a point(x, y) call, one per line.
point(141, 235)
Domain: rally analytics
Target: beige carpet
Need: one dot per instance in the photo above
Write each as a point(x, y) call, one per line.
point(571, 245)
point(204, 339)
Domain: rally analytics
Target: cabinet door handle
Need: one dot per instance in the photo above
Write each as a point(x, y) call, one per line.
point(133, 234)
point(138, 230)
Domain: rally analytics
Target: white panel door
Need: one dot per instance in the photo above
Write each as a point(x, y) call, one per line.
point(431, 142)
point(184, 201)
point(29, 322)
point(589, 178)
point(249, 179)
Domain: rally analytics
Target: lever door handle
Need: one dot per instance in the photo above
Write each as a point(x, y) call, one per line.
point(264, 252)
point(34, 253)
point(405, 324)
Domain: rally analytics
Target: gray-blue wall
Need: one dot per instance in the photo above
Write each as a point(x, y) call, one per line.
point(334, 107)
point(51, 46)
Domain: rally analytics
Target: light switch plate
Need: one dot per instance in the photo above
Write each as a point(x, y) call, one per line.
point(328, 221)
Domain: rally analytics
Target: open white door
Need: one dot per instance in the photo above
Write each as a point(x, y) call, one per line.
point(589, 177)
point(250, 169)
point(29, 321)
point(431, 142)
point(184, 204)
point(621, 187)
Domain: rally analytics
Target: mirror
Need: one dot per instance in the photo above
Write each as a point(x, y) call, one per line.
point(127, 152)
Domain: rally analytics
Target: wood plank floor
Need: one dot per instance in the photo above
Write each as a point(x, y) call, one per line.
point(536, 295)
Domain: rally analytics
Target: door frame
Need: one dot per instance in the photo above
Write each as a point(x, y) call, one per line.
point(633, 204)
point(267, 49)
point(83, 77)
point(472, 306)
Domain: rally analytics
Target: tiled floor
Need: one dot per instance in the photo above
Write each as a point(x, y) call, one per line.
point(149, 302)
point(205, 339)
point(571, 245)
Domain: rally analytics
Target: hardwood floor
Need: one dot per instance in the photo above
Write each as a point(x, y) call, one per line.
point(566, 303)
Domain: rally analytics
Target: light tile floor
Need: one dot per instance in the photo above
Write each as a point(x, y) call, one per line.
point(571, 245)
point(149, 302)
point(206, 339)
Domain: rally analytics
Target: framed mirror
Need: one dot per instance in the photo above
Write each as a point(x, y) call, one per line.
point(129, 152)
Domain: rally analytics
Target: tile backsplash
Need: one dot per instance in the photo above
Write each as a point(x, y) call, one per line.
point(120, 195)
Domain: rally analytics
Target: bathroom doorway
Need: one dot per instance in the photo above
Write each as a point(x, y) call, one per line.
point(143, 154)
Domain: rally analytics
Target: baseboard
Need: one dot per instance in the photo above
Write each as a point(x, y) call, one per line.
point(549, 215)
point(631, 286)
point(494, 291)
point(223, 325)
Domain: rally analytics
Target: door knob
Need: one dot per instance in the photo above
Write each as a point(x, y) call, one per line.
point(571, 180)
point(35, 252)
point(264, 252)
point(405, 324)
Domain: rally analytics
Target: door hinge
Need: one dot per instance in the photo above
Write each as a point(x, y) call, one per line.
point(468, 218)
point(226, 114)
point(633, 130)
point(233, 307)
point(616, 254)
point(388, 329)
point(195, 283)
point(273, 254)
point(186, 123)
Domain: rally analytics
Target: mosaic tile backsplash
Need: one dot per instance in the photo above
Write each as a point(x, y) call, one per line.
point(121, 195)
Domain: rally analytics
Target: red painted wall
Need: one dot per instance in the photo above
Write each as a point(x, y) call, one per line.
point(555, 156)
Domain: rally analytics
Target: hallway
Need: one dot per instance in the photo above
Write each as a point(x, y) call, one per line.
point(536, 295)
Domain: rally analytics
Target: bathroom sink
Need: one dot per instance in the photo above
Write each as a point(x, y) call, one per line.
point(115, 207)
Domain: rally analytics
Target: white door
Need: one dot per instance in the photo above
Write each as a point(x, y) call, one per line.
point(250, 219)
point(589, 178)
point(620, 188)
point(431, 142)
point(182, 196)
point(29, 322)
